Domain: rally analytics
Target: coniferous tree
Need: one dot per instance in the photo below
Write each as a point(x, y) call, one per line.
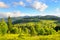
point(9, 23)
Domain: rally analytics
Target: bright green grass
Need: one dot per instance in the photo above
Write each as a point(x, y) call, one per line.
point(15, 37)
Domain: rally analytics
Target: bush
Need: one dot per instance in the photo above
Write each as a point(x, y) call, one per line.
point(59, 32)
point(3, 27)
point(14, 30)
point(41, 31)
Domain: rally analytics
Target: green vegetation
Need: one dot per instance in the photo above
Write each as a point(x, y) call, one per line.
point(40, 30)
point(3, 27)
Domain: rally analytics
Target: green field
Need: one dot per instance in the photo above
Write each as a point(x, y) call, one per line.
point(16, 37)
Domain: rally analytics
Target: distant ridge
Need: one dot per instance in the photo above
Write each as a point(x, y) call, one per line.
point(23, 19)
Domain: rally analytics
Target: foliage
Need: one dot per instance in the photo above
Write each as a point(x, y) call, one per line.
point(14, 30)
point(3, 27)
point(29, 29)
point(44, 27)
point(9, 23)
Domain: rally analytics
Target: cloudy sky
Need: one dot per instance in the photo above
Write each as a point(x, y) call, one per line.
point(15, 8)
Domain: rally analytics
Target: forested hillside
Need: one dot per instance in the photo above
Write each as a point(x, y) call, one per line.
point(29, 27)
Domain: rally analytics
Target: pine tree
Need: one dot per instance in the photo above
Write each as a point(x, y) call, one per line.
point(9, 24)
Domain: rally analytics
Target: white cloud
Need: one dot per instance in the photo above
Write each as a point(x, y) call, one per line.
point(29, 1)
point(16, 14)
point(11, 14)
point(39, 6)
point(57, 10)
point(55, 1)
point(22, 3)
point(3, 5)
point(34, 4)
point(15, 3)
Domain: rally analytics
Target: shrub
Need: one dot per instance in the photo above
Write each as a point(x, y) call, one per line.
point(3, 27)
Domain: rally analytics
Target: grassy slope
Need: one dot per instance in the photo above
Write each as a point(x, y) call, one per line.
point(15, 37)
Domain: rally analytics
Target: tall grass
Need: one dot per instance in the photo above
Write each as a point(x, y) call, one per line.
point(16, 37)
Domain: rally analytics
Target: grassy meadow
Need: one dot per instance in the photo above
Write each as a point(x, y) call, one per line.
point(16, 37)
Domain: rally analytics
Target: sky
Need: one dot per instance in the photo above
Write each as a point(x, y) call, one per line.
point(16, 8)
